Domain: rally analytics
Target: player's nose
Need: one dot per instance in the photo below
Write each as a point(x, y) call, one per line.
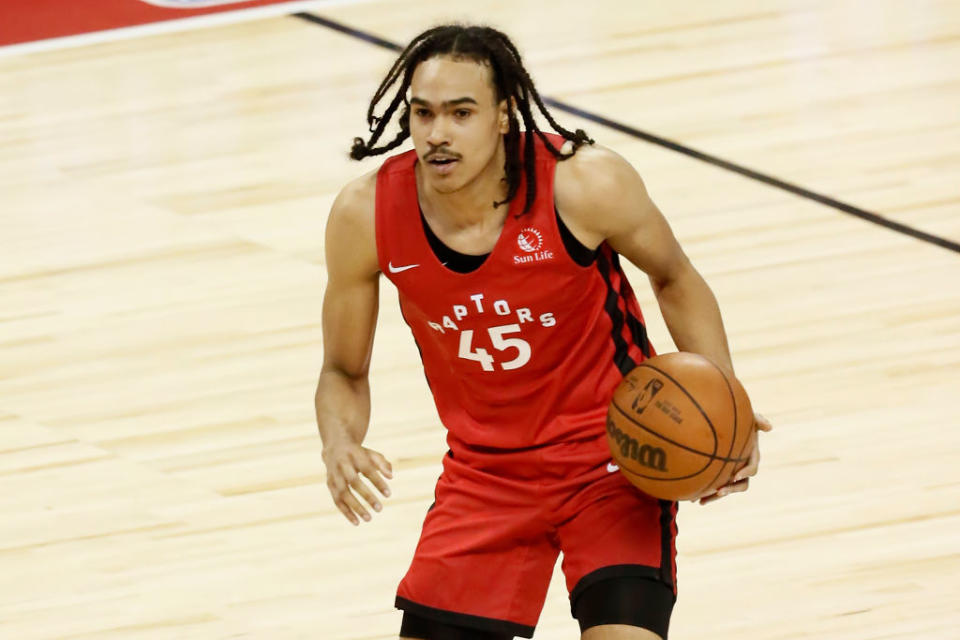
point(439, 134)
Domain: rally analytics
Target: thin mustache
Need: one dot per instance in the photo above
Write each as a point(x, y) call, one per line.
point(441, 152)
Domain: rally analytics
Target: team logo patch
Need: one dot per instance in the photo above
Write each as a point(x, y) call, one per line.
point(530, 240)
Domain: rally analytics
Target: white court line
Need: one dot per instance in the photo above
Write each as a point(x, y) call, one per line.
point(171, 26)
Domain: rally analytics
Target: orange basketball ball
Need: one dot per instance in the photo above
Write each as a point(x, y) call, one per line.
point(678, 426)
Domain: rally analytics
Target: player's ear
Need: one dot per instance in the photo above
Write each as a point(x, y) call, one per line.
point(505, 107)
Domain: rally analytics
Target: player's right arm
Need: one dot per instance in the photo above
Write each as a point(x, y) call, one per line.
point(350, 306)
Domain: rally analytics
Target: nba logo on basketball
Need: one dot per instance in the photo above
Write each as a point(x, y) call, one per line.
point(530, 241)
point(644, 397)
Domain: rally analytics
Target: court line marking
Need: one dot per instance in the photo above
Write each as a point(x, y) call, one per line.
point(679, 148)
point(172, 25)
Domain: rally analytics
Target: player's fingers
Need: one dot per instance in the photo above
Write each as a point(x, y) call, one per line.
point(735, 487)
point(348, 472)
point(752, 466)
point(339, 490)
point(367, 466)
point(704, 498)
point(352, 480)
point(713, 497)
point(382, 464)
point(347, 513)
point(762, 423)
point(726, 490)
point(355, 505)
point(373, 474)
point(747, 472)
point(351, 518)
point(336, 482)
point(364, 492)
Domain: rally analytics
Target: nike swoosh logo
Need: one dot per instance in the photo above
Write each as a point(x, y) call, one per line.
point(394, 269)
point(612, 468)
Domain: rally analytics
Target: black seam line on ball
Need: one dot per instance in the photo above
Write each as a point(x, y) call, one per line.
point(733, 438)
point(676, 444)
point(630, 472)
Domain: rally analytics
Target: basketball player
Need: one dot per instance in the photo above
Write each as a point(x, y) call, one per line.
point(503, 242)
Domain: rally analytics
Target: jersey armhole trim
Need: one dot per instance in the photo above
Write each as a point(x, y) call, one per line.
point(578, 252)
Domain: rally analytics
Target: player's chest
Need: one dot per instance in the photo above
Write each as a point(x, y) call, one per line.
point(500, 320)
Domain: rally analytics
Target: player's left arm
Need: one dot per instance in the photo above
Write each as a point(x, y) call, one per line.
point(601, 198)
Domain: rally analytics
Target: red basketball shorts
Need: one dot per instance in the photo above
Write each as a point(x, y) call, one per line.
point(491, 540)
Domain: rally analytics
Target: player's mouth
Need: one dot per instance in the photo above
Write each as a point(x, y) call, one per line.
point(442, 164)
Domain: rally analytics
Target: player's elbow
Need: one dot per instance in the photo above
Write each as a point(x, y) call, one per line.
point(353, 376)
point(679, 276)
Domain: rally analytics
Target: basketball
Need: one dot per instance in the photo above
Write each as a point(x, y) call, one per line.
point(678, 426)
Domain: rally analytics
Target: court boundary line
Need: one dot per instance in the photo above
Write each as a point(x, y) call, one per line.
point(863, 214)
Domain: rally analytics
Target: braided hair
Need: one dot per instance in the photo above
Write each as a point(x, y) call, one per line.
point(483, 45)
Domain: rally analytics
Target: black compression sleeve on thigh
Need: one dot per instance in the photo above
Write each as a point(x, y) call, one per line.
point(634, 601)
point(414, 626)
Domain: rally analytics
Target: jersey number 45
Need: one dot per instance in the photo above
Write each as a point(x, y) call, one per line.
point(500, 343)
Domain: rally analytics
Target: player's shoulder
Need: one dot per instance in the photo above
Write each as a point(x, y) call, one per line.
point(592, 170)
point(351, 227)
point(596, 185)
point(357, 199)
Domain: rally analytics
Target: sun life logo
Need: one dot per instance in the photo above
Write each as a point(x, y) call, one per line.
point(530, 240)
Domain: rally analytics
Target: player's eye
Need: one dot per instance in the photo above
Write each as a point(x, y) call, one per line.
point(462, 113)
point(421, 112)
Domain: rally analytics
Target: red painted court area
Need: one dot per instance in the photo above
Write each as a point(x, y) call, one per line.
point(32, 20)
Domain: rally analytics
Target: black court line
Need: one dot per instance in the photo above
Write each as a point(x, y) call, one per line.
point(350, 31)
point(679, 148)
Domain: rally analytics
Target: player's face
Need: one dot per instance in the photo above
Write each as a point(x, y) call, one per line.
point(456, 122)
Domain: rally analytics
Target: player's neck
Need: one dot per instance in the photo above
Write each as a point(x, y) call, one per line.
point(472, 204)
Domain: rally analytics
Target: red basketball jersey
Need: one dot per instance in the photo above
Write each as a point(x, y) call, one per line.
point(527, 349)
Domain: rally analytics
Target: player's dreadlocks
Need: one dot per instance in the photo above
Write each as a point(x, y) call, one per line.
point(512, 83)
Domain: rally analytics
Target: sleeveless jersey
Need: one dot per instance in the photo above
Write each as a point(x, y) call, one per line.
point(525, 350)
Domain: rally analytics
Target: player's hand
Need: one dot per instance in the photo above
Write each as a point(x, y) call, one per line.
point(741, 480)
point(347, 465)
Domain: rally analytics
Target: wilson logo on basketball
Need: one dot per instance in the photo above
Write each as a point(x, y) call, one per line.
point(530, 240)
point(645, 454)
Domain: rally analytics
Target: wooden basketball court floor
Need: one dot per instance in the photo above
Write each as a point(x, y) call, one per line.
point(162, 205)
